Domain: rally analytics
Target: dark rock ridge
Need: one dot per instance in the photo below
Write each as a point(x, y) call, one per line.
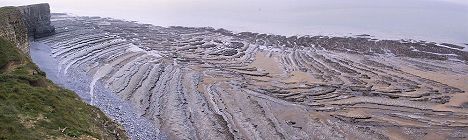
point(37, 19)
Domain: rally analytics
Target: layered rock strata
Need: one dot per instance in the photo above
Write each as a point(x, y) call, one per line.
point(32, 107)
point(13, 28)
point(204, 83)
point(37, 19)
point(24, 23)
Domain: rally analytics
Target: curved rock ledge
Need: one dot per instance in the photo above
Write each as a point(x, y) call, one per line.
point(204, 83)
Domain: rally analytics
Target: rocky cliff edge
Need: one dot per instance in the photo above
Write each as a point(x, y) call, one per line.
point(37, 19)
point(24, 23)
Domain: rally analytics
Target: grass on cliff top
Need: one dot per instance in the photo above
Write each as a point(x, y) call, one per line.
point(31, 107)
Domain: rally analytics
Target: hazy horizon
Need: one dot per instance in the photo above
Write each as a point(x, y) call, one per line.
point(290, 69)
point(431, 20)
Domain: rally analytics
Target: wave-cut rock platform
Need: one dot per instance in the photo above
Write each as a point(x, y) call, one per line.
point(205, 83)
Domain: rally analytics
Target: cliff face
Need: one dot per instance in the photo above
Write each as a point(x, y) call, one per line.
point(13, 28)
point(37, 19)
point(31, 106)
point(19, 24)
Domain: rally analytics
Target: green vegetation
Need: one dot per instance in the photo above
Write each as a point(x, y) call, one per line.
point(32, 107)
point(7, 54)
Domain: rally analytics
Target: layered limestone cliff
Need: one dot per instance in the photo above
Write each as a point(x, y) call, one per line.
point(37, 19)
point(13, 28)
point(20, 24)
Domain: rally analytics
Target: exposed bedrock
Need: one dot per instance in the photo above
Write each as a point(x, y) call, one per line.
point(13, 28)
point(37, 19)
point(202, 83)
point(24, 23)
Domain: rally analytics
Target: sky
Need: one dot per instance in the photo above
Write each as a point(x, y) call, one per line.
point(433, 20)
point(465, 2)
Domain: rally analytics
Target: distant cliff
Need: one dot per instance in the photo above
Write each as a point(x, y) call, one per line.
point(37, 19)
point(20, 24)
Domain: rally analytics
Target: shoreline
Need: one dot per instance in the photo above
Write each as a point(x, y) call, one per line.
point(457, 46)
point(352, 33)
point(121, 111)
point(195, 82)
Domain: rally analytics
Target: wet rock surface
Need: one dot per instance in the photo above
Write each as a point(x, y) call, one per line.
point(204, 83)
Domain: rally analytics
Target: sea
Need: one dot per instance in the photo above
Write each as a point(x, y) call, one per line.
point(428, 20)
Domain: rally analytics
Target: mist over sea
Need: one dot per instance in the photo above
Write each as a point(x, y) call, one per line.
point(432, 20)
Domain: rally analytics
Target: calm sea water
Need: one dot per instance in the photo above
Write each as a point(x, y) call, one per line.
point(432, 20)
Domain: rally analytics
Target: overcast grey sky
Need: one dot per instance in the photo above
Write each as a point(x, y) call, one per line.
point(437, 20)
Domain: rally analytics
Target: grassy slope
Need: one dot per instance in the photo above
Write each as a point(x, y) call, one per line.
point(32, 107)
